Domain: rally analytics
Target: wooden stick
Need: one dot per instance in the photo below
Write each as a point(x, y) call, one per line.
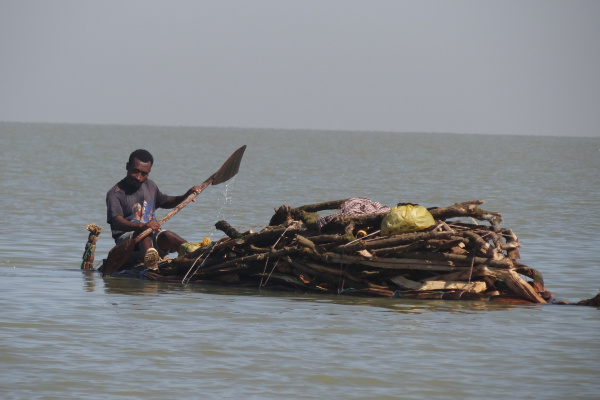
point(519, 286)
point(462, 275)
point(456, 259)
point(467, 209)
point(404, 283)
point(327, 205)
point(248, 259)
point(397, 240)
point(392, 263)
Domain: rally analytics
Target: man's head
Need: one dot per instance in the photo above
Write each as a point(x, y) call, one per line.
point(138, 167)
point(142, 155)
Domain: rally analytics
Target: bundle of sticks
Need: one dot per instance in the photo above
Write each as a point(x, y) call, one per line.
point(90, 247)
point(451, 260)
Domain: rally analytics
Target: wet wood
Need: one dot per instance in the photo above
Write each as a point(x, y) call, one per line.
point(451, 260)
point(90, 247)
point(519, 286)
point(474, 287)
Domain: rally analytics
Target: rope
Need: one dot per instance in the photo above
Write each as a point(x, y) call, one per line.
point(267, 261)
point(363, 237)
point(470, 276)
point(441, 295)
point(273, 269)
point(341, 282)
point(87, 251)
point(185, 278)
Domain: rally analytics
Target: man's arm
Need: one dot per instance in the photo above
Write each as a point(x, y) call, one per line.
point(120, 223)
point(174, 201)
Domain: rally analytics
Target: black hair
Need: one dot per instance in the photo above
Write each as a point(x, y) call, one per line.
point(142, 155)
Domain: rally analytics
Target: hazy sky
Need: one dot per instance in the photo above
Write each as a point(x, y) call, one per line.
point(508, 67)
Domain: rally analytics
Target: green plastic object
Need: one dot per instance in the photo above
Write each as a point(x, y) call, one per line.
point(405, 219)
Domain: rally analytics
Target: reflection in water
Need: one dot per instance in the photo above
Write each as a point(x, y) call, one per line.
point(89, 280)
point(141, 287)
point(135, 287)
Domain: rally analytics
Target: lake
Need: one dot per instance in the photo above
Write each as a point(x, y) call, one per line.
point(69, 334)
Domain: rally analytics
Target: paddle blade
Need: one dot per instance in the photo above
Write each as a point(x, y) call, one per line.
point(117, 257)
point(230, 168)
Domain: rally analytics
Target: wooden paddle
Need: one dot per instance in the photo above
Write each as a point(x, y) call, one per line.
point(121, 252)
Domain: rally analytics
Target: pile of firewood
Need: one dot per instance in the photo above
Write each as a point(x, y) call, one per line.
point(456, 258)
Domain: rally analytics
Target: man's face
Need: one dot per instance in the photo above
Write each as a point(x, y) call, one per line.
point(137, 172)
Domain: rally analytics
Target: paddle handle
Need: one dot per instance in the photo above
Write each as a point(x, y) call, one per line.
point(176, 209)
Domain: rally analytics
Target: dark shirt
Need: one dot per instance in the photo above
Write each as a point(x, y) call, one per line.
point(133, 204)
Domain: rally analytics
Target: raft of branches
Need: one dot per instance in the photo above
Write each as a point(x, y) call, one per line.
point(451, 260)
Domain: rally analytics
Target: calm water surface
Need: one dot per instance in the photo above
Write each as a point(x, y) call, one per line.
point(71, 334)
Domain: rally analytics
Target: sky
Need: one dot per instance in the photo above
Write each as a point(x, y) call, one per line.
point(523, 67)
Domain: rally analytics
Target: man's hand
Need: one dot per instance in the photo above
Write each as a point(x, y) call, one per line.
point(154, 225)
point(195, 189)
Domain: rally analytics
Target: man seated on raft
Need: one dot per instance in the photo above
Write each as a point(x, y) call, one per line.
point(131, 205)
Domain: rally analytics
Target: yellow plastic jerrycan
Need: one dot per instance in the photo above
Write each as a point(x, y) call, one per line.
point(406, 218)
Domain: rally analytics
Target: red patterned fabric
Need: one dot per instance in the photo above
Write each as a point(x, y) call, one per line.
point(354, 206)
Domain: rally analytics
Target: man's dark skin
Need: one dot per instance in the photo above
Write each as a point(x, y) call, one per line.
point(168, 241)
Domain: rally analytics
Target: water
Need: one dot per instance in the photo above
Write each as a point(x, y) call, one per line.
point(71, 334)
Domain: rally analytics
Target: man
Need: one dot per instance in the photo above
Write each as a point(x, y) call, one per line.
point(131, 204)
